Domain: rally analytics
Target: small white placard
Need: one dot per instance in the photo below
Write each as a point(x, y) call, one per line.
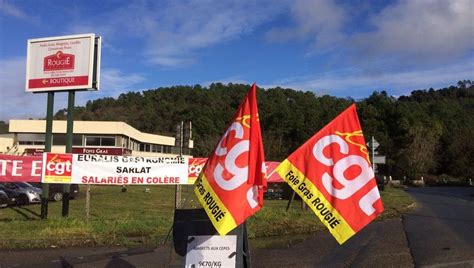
point(211, 251)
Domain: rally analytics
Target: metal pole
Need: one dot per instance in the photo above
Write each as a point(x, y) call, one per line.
point(47, 148)
point(69, 136)
point(178, 187)
point(88, 201)
point(373, 153)
point(291, 200)
point(181, 137)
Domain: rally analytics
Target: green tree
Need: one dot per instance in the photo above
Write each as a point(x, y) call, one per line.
point(428, 131)
point(3, 127)
point(418, 157)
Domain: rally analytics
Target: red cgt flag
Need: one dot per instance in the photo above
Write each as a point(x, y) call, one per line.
point(332, 174)
point(231, 186)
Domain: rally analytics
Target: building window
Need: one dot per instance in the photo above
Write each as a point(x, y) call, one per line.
point(135, 146)
point(31, 143)
point(61, 139)
point(100, 141)
point(156, 148)
point(107, 141)
point(92, 141)
point(124, 141)
point(167, 149)
point(31, 139)
point(146, 147)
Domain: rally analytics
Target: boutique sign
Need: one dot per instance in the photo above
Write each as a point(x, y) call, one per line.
point(63, 63)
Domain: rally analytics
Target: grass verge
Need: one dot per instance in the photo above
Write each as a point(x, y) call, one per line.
point(138, 217)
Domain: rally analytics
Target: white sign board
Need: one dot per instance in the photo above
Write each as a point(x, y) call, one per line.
point(374, 145)
point(113, 169)
point(211, 251)
point(379, 159)
point(63, 63)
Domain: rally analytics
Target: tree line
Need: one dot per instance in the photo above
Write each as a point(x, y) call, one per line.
point(429, 132)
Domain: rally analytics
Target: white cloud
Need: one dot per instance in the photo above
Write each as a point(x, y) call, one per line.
point(427, 31)
point(345, 82)
point(320, 21)
point(174, 31)
point(11, 10)
point(115, 81)
point(15, 103)
point(404, 32)
point(113, 78)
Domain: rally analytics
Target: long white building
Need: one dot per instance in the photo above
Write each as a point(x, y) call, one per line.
point(99, 137)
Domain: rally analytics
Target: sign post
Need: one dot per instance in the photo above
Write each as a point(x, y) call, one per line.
point(69, 136)
point(373, 145)
point(63, 63)
point(376, 159)
point(47, 148)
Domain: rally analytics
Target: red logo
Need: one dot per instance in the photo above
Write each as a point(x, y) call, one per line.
point(195, 166)
point(58, 165)
point(58, 61)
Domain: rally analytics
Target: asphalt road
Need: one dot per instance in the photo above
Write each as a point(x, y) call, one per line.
point(439, 232)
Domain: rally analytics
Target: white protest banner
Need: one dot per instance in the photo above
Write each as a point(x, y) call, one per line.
point(113, 169)
point(14, 168)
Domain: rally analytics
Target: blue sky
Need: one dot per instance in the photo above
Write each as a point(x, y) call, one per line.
point(340, 48)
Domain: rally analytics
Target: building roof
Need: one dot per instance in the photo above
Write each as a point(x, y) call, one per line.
point(89, 127)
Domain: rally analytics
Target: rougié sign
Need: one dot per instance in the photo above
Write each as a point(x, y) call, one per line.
point(63, 63)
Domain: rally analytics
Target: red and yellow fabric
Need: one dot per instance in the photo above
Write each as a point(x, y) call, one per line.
point(231, 185)
point(333, 175)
